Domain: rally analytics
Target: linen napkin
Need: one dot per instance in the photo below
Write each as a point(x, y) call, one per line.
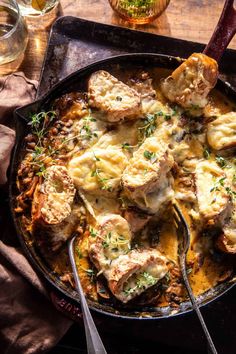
point(28, 321)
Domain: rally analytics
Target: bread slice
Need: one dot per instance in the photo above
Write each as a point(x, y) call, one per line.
point(53, 219)
point(113, 98)
point(221, 132)
point(98, 171)
point(113, 238)
point(133, 273)
point(147, 168)
point(211, 187)
point(191, 82)
point(227, 240)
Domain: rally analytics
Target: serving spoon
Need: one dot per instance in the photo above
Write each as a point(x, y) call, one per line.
point(93, 339)
point(183, 234)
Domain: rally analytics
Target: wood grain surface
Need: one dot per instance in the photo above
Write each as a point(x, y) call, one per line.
point(193, 20)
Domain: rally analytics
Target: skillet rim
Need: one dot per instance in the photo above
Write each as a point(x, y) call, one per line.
point(48, 275)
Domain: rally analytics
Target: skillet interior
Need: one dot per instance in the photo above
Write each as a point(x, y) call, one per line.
point(78, 81)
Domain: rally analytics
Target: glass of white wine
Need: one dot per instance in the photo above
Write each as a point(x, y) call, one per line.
point(13, 32)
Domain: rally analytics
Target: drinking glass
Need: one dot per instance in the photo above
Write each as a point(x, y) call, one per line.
point(139, 11)
point(36, 7)
point(13, 31)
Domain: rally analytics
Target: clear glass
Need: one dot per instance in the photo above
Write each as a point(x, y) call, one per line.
point(13, 31)
point(36, 7)
point(139, 11)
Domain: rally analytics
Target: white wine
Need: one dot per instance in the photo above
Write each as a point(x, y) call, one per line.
point(13, 33)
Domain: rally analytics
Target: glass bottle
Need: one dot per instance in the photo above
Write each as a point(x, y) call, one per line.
point(139, 11)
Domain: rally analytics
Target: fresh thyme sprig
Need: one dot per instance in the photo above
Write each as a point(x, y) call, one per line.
point(86, 131)
point(115, 242)
point(102, 180)
point(40, 122)
point(149, 155)
point(149, 125)
point(90, 272)
point(221, 184)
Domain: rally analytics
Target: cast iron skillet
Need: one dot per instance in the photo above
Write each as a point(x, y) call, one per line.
point(78, 81)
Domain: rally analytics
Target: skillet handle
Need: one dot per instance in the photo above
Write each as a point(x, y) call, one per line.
point(67, 308)
point(224, 32)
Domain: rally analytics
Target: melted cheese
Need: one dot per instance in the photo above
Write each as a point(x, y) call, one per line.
point(98, 171)
point(132, 274)
point(113, 97)
point(87, 131)
point(149, 165)
point(191, 82)
point(60, 192)
point(124, 133)
point(212, 196)
point(112, 240)
point(221, 133)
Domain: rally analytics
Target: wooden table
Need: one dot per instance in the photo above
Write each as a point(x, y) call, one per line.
point(193, 20)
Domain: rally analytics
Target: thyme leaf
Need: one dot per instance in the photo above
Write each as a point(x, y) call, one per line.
point(221, 161)
point(150, 155)
point(206, 153)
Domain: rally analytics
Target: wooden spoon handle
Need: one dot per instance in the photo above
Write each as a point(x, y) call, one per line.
point(224, 31)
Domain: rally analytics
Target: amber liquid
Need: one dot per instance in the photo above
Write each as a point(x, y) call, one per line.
point(139, 11)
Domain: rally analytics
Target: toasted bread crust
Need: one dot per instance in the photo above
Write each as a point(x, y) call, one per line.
point(124, 271)
point(221, 132)
point(191, 82)
point(115, 99)
point(213, 200)
point(52, 217)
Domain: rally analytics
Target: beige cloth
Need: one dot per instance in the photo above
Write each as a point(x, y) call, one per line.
point(28, 321)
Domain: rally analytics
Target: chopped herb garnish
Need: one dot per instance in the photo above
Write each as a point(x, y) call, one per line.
point(126, 146)
point(221, 181)
point(90, 272)
point(149, 125)
point(230, 192)
point(105, 244)
point(150, 155)
point(78, 252)
point(40, 122)
point(221, 184)
point(206, 153)
point(96, 158)
point(93, 233)
point(143, 281)
point(102, 180)
point(221, 161)
point(189, 270)
point(107, 240)
point(234, 179)
point(167, 116)
point(86, 131)
point(195, 106)
point(123, 203)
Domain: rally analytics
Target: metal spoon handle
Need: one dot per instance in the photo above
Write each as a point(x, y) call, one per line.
point(93, 339)
point(196, 308)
